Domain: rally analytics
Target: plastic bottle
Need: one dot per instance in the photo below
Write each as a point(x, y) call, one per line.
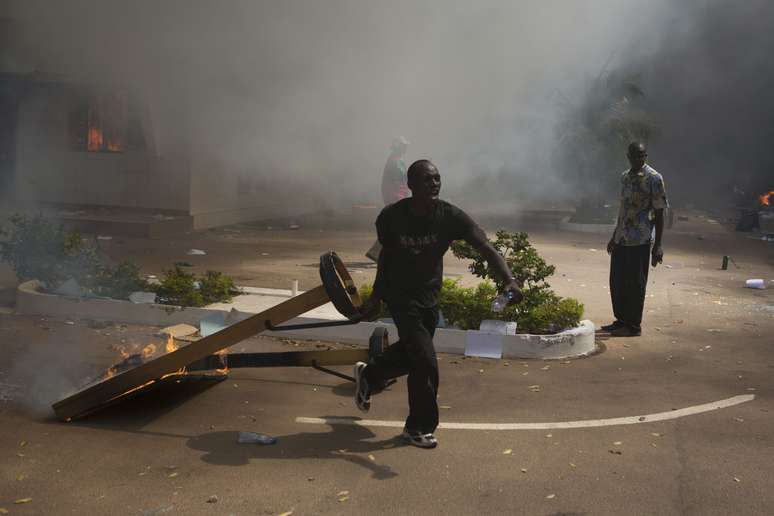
point(501, 301)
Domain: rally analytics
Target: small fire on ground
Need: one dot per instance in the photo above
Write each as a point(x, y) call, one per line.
point(766, 198)
point(136, 355)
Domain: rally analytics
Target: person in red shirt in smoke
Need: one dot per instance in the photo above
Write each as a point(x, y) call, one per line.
point(394, 184)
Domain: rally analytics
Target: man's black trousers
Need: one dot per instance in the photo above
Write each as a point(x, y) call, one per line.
point(414, 355)
point(628, 280)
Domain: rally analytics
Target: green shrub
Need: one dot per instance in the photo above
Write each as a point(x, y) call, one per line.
point(37, 248)
point(120, 281)
point(541, 311)
point(178, 288)
point(181, 288)
point(216, 287)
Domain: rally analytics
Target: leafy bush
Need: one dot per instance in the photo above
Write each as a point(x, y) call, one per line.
point(178, 288)
point(37, 248)
point(183, 288)
point(216, 287)
point(541, 311)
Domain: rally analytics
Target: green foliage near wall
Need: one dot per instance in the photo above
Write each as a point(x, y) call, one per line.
point(37, 248)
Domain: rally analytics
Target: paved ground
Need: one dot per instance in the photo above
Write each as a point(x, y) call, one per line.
point(706, 339)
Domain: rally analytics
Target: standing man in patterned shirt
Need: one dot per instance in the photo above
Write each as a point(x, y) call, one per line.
point(643, 200)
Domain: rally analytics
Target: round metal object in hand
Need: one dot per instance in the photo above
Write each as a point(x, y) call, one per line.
point(339, 286)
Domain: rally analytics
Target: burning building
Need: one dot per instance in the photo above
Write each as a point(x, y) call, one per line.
point(94, 144)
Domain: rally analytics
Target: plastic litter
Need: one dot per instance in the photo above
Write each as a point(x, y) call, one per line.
point(255, 438)
point(501, 301)
point(196, 252)
point(755, 283)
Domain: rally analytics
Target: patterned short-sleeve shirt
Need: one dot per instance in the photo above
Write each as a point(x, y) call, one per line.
point(641, 194)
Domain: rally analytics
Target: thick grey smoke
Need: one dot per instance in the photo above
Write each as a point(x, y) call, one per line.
point(311, 93)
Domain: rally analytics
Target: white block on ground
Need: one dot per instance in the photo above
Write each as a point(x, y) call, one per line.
point(485, 345)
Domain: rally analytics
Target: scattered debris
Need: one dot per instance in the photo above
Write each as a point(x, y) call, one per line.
point(508, 451)
point(212, 499)
point(289, 513)
point(534, 388)
point(736, 479)
point(551, 496)
point(255, 438)
point(523, 470)
point(22, 500)
point(179, 330)
point(615, 452)
point(371, 457)
point(756, 283)
point(195, 252)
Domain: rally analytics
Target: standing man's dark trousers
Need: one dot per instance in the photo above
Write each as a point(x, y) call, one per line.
point(628, 280)
point(414, 355)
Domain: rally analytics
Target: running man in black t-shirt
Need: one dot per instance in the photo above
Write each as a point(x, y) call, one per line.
point(415, 233)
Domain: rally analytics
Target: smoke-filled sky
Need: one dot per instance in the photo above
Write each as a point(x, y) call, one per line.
point(315, 90)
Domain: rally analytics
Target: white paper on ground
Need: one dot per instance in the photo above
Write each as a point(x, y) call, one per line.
point(213, 323)
point(486, 345)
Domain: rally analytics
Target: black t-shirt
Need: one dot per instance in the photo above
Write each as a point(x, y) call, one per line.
point(412, 263)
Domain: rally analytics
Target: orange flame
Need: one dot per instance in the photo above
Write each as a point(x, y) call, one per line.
point(766, 198)
point(170, 345)
point(95, 140)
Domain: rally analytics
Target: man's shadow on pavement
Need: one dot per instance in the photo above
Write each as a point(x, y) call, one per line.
point(343, 442)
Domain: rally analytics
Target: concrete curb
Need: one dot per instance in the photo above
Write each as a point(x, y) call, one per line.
point(566, 225)
point(575, 342)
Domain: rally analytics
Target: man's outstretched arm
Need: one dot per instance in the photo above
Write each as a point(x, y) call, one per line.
point(497, 263)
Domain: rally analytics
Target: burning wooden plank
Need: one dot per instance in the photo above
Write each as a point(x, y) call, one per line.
point(337, 287)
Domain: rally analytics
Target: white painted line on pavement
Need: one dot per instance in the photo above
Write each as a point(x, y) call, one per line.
point(588, 423)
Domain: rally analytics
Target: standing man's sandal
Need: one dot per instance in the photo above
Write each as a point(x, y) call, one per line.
point(626, 331)
point(612, 326)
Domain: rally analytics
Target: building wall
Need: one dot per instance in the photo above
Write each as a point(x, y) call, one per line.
point(222, 194)
point(48, 170)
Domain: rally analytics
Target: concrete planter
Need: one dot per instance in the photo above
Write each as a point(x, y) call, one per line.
point(575, 342)
point(566, 225)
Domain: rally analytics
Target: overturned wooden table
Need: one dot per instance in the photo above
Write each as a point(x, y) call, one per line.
point(337, 287)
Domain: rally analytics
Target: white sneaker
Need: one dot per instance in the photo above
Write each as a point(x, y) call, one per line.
point(362, 392)
point(419, 439)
